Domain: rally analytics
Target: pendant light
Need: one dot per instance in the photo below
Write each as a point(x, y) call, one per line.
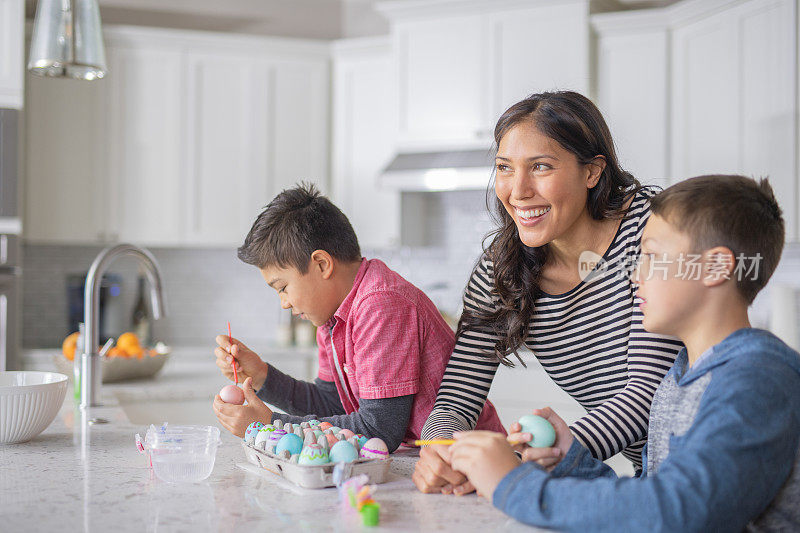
point(67, 40)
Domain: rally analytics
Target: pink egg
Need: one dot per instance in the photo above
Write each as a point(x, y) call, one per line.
point(324, 425)
point(347, 433)
point(232, 394)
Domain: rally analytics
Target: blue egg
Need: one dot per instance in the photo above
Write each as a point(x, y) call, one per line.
point(542, 431)
point(343, 452)
point(290, 442)
point(252, 429)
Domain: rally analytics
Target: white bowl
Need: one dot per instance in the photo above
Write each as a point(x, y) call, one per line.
point(29, 401)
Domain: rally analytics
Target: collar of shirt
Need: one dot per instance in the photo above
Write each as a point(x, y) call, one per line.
point(344, 308)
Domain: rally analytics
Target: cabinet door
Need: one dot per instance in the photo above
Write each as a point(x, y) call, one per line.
point(12, 31)
point(299, 125)
point(144, 145)
point(225, 160)
point(443, 79)
point(734, 107)
point(632, 93)
point(364, 130)
point(538, 49)
point(65, 199)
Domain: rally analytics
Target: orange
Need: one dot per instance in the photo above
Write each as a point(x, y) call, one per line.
point(116, 351)
point(69, 346)
point(128, 340)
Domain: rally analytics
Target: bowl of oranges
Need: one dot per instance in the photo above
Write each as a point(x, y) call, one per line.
point(127, 359)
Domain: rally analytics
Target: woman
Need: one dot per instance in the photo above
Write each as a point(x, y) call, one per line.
point(560, 194)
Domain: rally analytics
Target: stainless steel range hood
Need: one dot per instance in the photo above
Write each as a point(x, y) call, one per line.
point(439, 171)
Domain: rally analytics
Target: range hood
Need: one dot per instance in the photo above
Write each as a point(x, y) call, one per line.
point(449, 170)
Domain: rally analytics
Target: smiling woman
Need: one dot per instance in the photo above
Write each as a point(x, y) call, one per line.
point(559, 192)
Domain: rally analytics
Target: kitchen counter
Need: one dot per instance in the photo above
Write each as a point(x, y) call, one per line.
point(78, 476)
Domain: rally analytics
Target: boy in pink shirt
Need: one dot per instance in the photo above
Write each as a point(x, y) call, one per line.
point(383, 346)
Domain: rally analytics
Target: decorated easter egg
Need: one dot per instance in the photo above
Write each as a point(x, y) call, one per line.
point(323, 441)
point(343, 452)
point(291, 443)
point(232, 394)
point(374, 448)
point(275, 437)
point(313, 423)
point(542, 431)
point(313, 454)
point(346, 434)
point(263, 435)
point(331, 439)
point(250, 432)
point(324, 425)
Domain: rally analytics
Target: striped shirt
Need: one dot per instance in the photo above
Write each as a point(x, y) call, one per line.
point(589, 340)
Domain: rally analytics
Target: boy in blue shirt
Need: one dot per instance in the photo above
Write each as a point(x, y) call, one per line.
point(722, 452)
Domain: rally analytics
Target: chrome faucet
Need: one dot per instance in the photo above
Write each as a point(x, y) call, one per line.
point(91, 372)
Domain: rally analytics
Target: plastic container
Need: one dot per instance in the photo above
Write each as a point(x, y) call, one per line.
point(317, 476)
point(182, 454)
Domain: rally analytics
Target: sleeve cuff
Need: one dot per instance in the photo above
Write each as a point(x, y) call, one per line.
point(571, 460)
point(507, 485)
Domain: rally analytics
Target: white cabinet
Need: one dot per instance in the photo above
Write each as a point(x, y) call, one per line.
point(699, 88)
point(12, 36)
point(364, 129)
point(183, 143)
point(461, 63)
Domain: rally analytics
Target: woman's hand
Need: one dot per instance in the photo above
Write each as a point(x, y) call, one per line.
point(236, 418)
point(248, 363)
point(547, 458)
point(433, 473)
point(485, 457)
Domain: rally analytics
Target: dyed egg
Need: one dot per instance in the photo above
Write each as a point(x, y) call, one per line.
point(323, 441)
point(347, 433)
point(250, 432)
point(232, 394)
point(313, 454)
point(291, 443)
point(313, 423)
point(263, 435)
point(275, 437)
point(374, 448)
point(542, 431)
point(361, 440)
point(324, 425)
point(343, 452)
point(331, 439)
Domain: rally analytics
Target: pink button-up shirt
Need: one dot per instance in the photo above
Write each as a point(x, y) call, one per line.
point(387, 339)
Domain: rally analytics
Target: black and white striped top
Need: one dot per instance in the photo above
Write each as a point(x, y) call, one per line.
point(590, 341)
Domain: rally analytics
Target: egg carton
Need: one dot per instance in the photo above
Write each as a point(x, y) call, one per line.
point(317, 476)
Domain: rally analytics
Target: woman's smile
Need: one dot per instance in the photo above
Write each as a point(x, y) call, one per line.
point(530, 216)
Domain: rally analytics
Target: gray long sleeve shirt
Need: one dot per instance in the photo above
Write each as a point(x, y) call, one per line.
point(385, 418)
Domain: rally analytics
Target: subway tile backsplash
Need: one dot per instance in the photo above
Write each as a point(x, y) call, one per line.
point(205, 288)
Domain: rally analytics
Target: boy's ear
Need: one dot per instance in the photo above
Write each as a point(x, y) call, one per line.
point(719, 265)
point(322, 262)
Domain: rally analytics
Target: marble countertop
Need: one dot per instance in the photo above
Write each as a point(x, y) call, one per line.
point(77, 476)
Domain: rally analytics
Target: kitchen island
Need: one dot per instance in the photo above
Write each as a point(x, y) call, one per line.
point(78, 476)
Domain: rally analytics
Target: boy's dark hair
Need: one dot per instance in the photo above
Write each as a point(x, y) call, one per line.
point(732, 211)
point(297, 222)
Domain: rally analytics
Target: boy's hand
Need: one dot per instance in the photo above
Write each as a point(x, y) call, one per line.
point(433, 473)
point(236, 418)
point(485, 457)
point(547, 458)
point(248, 363)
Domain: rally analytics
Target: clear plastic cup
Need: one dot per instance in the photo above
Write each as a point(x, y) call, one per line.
point(182, 454)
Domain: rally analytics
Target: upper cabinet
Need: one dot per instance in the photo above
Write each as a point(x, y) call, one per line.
point(12, 37)
point(183, 143)
point(460, 64)
point(705, 87)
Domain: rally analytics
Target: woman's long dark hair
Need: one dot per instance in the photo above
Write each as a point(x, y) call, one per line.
point(573, 121)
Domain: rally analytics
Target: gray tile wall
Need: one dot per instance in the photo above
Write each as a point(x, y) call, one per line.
point(207, 287)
